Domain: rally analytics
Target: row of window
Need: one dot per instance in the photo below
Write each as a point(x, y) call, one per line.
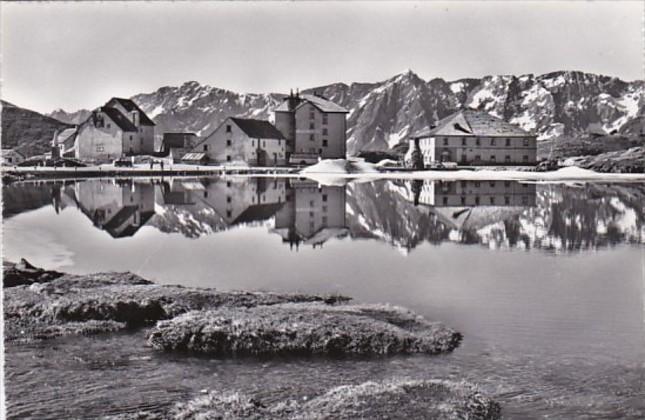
point(312, 116)
point(491, 200)
point(492, 141)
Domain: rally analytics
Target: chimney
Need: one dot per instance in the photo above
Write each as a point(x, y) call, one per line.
point(135, 118)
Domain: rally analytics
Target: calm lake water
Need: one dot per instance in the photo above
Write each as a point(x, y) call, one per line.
point(545, 281)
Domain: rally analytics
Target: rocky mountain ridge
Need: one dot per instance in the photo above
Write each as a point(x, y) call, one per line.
point(382, 114)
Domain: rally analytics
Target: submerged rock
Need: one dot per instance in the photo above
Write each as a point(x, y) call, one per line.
point(303, 328)
point(395, 399)
point(25, 273)
point(88, 304)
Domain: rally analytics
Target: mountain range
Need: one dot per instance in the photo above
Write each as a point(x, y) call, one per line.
point(557, 105)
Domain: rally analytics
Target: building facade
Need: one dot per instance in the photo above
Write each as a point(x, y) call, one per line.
point(117, 129)
point(471, 137)
point(314, 127)
point(312, 214)
point(240, 141)
point(11, 157)
point(469, 193)
point(176, 145)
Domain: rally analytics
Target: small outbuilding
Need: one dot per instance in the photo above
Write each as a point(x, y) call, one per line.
point(195, 158)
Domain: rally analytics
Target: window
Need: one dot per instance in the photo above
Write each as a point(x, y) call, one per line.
point(477, 200)
point(463, 184)
point(463, 141)
point(478, 158)
point(312, 115)
point(228, 158)
point(311, 137)
point(205, 194)
point(312, 126)
point(324, 220)
point(477, 184)
point(477, 142)
point(463, 200)
point(525, 158)
point(228, 128)
point(324, 131)
point(492, 184)
point(324, 198)
point(507, 184)
point(445, 200)
point(206, 148)
point(325, 117)
point(264, 143)
point(324, 142)
point(9, 159)
point(492, 142)
point(319, 151)
point(526, 142)
point(493, 158)
point(508, 142)
point(99, 148)
point(507, 158)
point(130, 137)
point(229, 213)
point(492, 200)
point(109, 125)
point(228, 199)
point(445, 141)
point(507, 200)
point(228, 143)
point(324, 209)
point(228, 184)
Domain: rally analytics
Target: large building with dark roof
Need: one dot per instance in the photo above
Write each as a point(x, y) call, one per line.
point(117, 129)
point(470, 137)
point(314, 127)
point(243, 141)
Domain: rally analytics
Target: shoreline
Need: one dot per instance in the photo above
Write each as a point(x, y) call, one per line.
point(43, 305)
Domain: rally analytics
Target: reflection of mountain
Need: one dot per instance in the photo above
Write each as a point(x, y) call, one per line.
point(509, 215)
point(199, 207)
point(405, 214)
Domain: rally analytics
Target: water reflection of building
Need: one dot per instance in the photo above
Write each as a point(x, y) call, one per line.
point(232, 201)
point(120, 208)
point(472, 193)
point(312, 215)
point(476, 211)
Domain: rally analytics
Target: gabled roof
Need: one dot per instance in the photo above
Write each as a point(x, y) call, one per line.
point(176, 139)
point(119, 119)
point(472, 123)
point(258, 129)
point(257, 213)
point(318, 101)
point(130, 106)
point(10, 151)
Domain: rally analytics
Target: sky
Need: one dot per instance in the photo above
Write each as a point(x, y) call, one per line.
point(78, 55)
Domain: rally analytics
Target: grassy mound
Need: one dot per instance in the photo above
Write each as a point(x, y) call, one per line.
point(303, 329)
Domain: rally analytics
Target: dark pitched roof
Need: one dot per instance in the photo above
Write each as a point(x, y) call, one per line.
point(176, 139)
point(257, 213)
point(119, 119)
point(474, 123)
point(258, 129)
point(318, 101)
point(130, 106)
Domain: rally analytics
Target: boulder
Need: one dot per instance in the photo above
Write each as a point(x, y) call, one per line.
point(24, 273)
point(115, 300)
point(303, 329)
point(393, 399)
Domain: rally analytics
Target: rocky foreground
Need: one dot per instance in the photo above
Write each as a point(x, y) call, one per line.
point(395, 399)
point(41, 304)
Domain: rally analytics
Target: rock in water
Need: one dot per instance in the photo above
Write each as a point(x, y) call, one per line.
point(394, 399)
point(303, 329)
point(25, 273)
